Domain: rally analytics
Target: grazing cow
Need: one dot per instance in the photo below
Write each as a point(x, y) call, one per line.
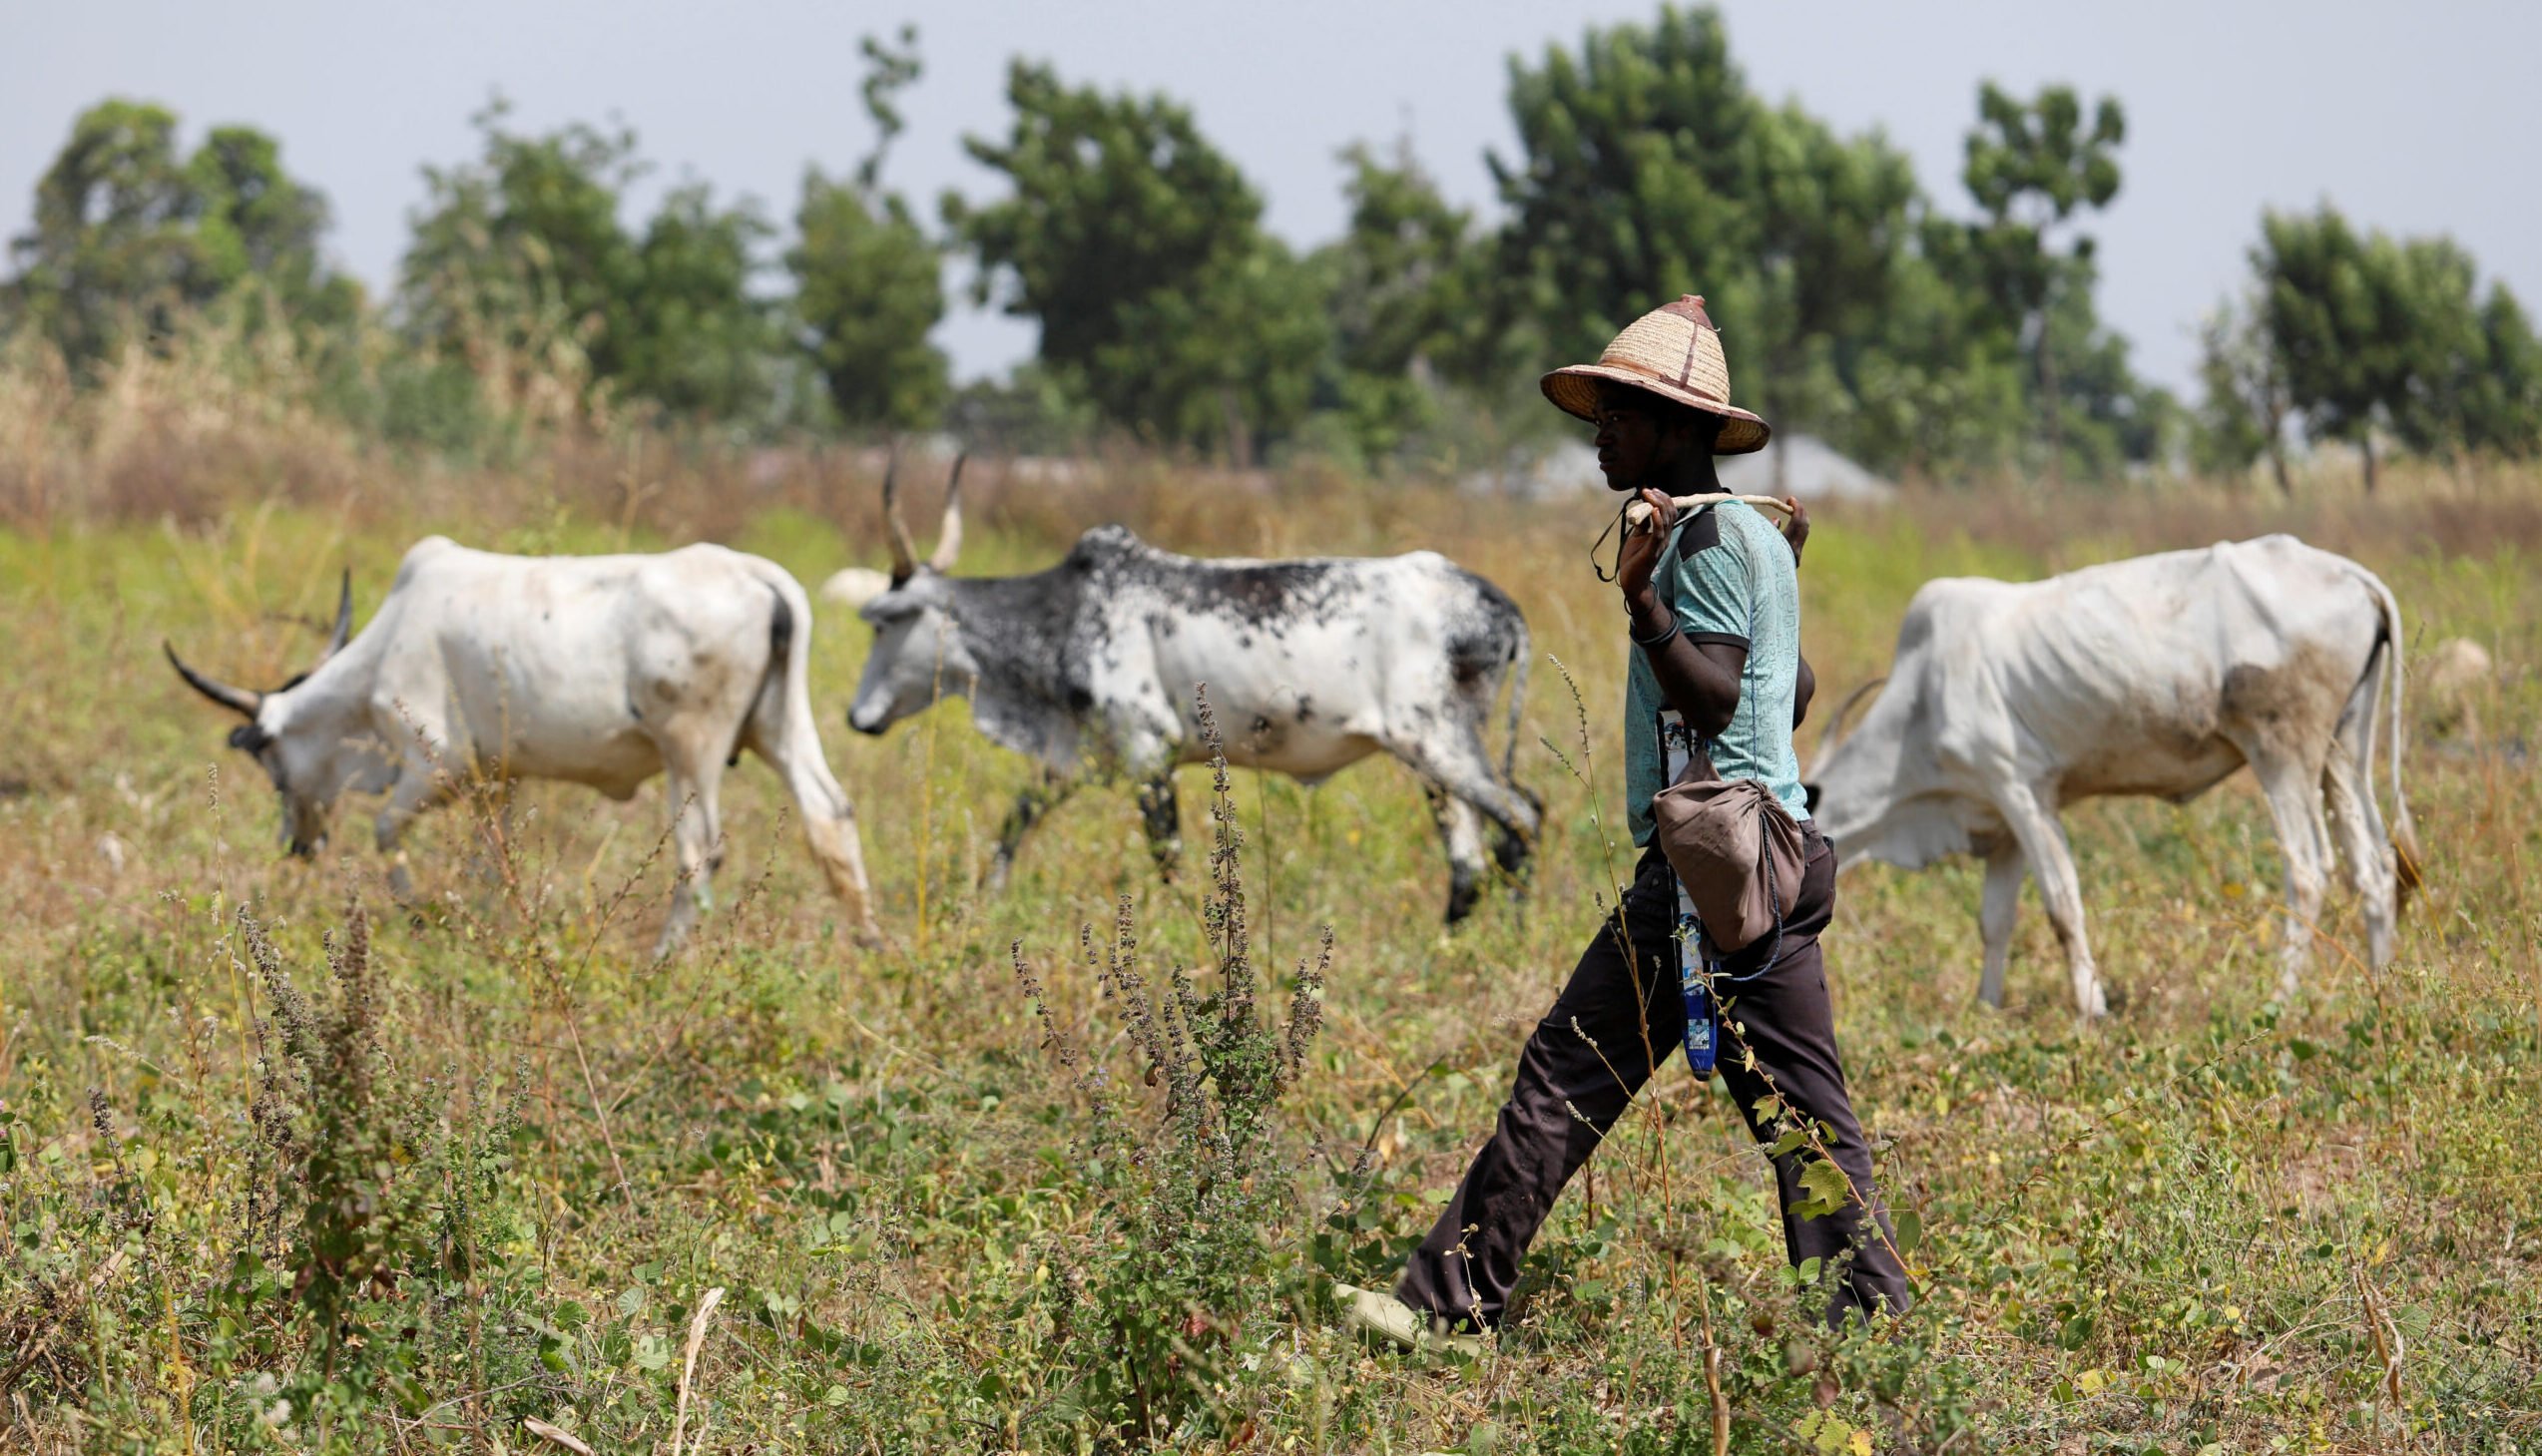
point(596, 670)
point(1309, 666)
point(2156, 675)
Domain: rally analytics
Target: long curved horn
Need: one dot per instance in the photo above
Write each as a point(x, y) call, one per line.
point(237, 700)
point(904, 552)
point(948, 542)
point(343, 632)
point(1836, 724)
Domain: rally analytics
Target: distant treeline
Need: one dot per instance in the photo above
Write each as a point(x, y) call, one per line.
point(1922, 344)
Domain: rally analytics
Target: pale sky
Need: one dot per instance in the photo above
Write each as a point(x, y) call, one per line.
point(2415, 118)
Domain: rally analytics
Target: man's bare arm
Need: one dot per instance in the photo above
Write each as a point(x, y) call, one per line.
point(1698, 679)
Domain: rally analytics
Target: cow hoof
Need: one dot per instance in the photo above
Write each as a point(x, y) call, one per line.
point(1513, 855)
point(1461, 900)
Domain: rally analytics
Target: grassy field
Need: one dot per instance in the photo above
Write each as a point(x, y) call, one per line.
point(285, 1164)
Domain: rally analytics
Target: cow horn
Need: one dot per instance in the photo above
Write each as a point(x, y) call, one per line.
point(1836, 724)
point(343, 632)
point(240, 700)
point(948, 542)
point(904, 552)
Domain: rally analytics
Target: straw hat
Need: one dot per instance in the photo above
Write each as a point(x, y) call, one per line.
point(1671, 352)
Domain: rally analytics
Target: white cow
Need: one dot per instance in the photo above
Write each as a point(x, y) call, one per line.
point(1311, 665)
point(2156, 675)
point(596, 670)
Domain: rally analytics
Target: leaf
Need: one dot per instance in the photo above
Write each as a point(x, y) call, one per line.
point(566, 1439)
point(1826, 1188)
point(1907, 1230)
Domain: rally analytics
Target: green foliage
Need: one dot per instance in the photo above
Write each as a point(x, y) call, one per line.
point(696, 341)
point(1183, 1267)
point(1138, 249)
point(128, 238)
point(361, 1256)
point(521, 268)
point(869, 289)
point(1405, 288)
point(1646, 168)
point(2148, 1235)
point(2373, 333)
point(2244, 411)
point(2031, 167)
point(868, 282)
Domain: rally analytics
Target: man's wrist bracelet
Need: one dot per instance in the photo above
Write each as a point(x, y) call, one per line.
point(1649, 641)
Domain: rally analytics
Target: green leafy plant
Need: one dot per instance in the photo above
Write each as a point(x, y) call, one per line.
point(1187, 1157)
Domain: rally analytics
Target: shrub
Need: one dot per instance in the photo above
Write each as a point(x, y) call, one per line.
point(1184, 1161)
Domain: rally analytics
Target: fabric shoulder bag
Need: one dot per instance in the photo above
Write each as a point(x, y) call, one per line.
point(1735, 849)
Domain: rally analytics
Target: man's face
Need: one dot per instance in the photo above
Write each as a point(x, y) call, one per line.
point(1638, 437)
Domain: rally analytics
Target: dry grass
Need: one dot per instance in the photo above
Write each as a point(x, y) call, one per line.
point(2216, 1224)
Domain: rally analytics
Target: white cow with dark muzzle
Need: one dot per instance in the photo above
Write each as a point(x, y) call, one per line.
point(2156, 675)
point(1309, 666)
point(596, 670)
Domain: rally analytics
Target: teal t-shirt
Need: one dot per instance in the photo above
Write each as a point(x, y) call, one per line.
point(1732, 578)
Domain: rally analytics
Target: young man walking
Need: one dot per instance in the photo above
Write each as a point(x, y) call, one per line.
point(1712, 607)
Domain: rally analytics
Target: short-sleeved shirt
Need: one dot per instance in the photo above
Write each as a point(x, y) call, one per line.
point(1732, 580)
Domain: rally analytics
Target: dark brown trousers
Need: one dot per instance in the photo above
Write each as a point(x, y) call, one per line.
point(1466, 1269)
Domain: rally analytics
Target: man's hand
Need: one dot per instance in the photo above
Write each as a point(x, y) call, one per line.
point(1640, 555)
point(1796, 531)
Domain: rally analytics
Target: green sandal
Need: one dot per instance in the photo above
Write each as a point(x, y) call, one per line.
point(1370, 1311)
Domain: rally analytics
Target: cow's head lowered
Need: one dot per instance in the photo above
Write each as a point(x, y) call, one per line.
point(311, 735)
point(918, 654)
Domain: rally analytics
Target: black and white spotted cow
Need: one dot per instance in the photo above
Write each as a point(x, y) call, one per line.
point(1092, 666)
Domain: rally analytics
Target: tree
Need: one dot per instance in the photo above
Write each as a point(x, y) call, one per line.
point(868, 282)
point(693, 339)
point(2030, 165)
point(2502, 402)
point(518, 260)
point(1635, 182)
point(1834, 232)
point(2245, 408)
point(1402, 288)
point(1645, 169)
point(124, 233)
point(2371, 333)
point(1137, 248)
point(521, 262)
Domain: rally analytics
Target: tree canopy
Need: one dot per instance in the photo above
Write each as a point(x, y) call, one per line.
point(520, 258)
point(1926, 337)
point(1137, 248)
point(128, 236)
point(868, 282)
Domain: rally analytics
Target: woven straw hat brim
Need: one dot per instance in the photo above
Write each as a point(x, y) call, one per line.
point(1574, 390)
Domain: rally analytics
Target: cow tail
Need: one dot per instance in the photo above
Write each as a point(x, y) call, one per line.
point(1517, 704)
point(2409, 858)
point(784, 684)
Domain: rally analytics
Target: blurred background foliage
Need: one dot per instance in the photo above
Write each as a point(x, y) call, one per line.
point(1929, 336)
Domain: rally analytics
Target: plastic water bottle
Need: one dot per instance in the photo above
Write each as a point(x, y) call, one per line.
point(1703, 1035)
